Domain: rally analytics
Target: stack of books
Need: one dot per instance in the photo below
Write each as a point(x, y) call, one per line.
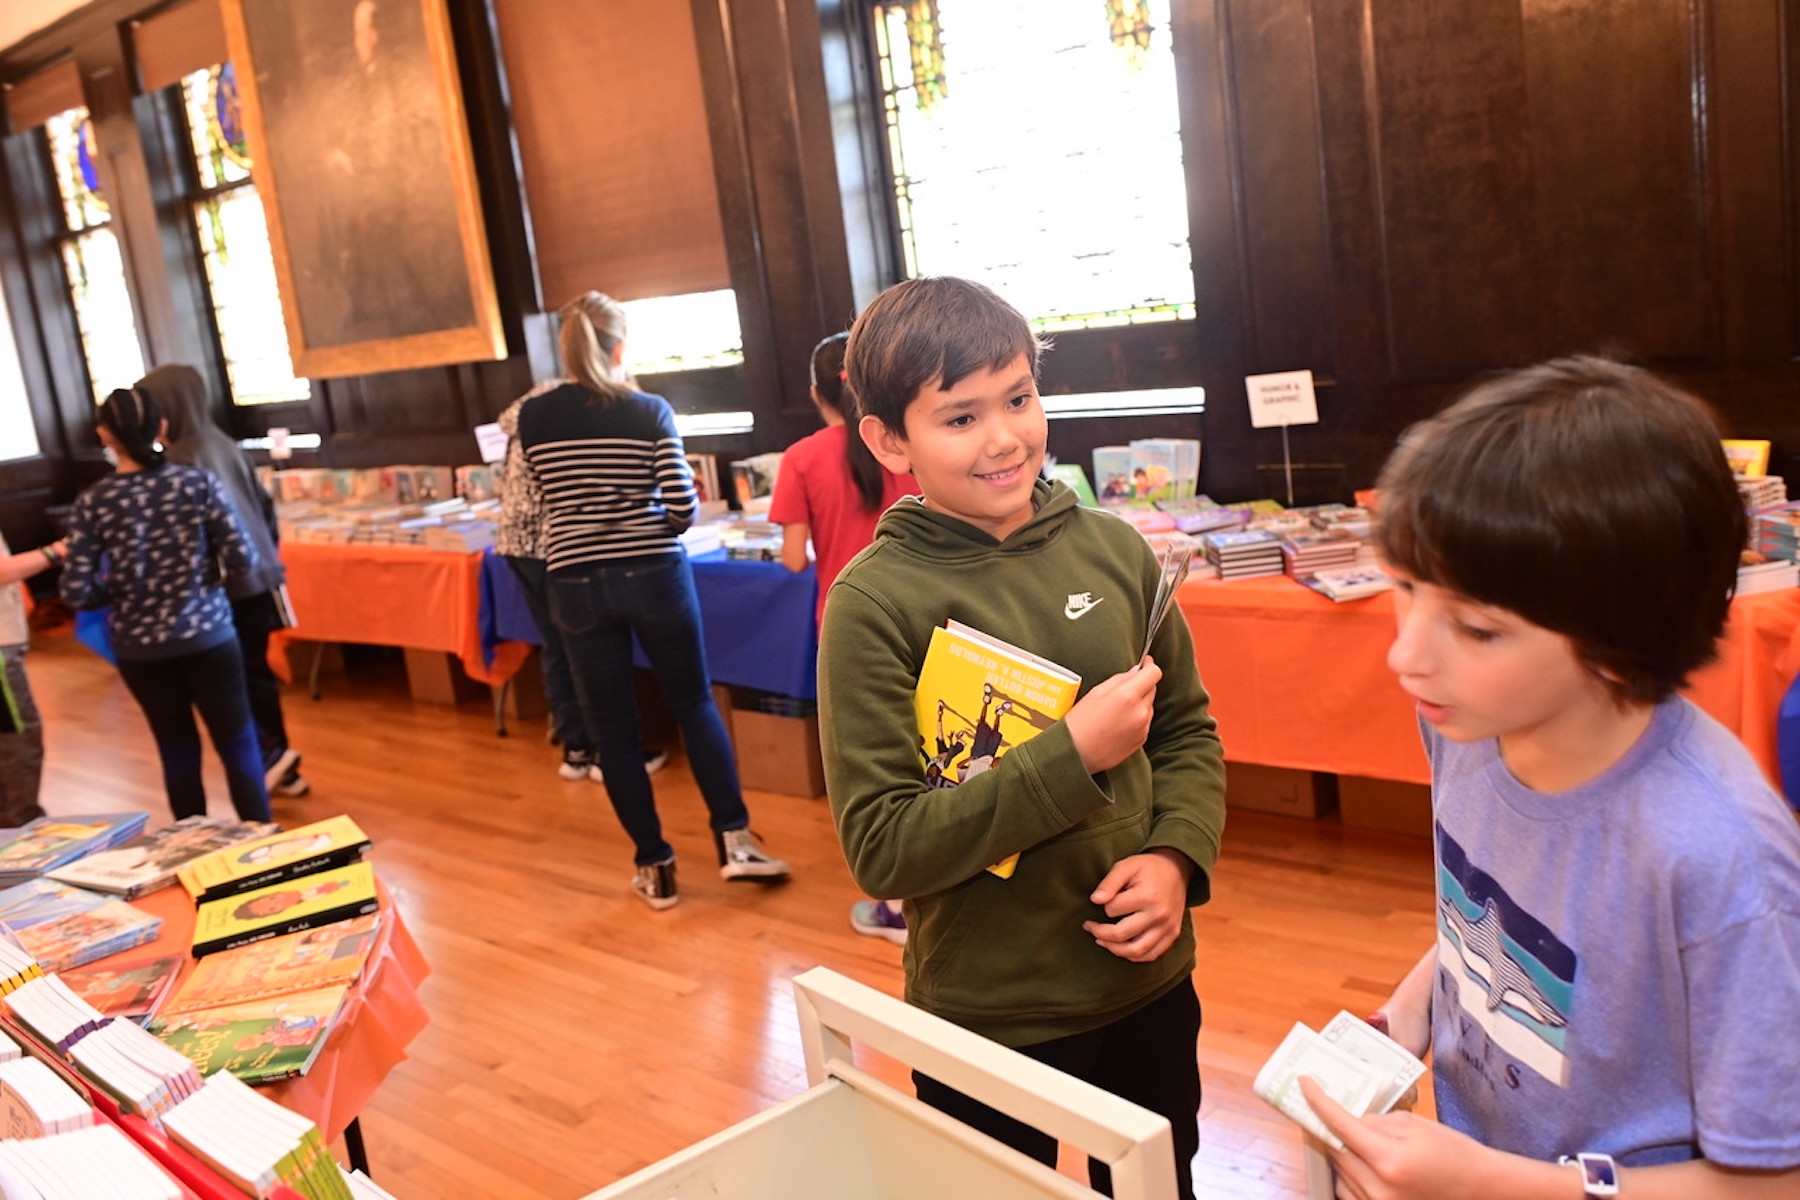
point(263, 1011)
point(63, 926)
point(149, 861)
point(142, 1074)
point(284, 883)
point(48, 842)
point(1776, 531)
point(1323, 549)
point(1247, 554)
point(1762, 573)
point(1350, 518)
point(93, 1160)
point(1347, 583)
point(35, 1102)
point(1762, 491)
point(1198, 515)
point(254, 1142)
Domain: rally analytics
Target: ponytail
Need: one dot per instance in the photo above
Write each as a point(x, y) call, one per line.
point(593, 326)
point(133, 417)
point(828, 381)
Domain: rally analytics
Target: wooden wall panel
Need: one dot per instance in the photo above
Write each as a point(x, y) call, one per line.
point(609, 110)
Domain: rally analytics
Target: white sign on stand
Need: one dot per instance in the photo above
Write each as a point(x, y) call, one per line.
point(279, 450)
point(491, 442)
point(1283, 398)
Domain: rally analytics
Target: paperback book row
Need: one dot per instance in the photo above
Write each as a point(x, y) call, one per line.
point(1147, 469)
point(284, 924)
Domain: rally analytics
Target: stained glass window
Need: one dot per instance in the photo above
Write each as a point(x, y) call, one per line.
point(1040, 156)
point(234, 245)
point(92, 258)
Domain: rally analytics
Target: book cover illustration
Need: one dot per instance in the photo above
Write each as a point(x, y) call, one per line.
point(258, 1041)
point(979, 696)
point(293, 962)
point(63, 926)
point(150, 860)
point(320, 846)
point(288, 906)
point(133, 990)
point(49, 842)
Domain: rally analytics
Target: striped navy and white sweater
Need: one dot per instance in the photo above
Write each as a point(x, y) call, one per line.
point(614, 476)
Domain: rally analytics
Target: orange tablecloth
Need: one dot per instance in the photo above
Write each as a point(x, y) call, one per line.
point(381, 1016)
point(392, 596)
point(1300, 681)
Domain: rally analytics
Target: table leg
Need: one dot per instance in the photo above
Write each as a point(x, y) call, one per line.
point(313, 677)
point(353, 1146)
point(500, 691)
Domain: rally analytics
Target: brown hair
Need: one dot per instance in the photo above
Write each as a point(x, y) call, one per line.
point(930, 332)
point(1589, 497)
point(593, 325)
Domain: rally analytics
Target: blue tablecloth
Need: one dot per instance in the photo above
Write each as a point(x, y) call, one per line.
point(758, 619)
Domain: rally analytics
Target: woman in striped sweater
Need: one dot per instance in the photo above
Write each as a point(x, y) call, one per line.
point(618, 492)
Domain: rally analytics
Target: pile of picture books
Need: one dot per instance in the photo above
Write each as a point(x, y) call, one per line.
point(63, 926)
point(1246, 554)
point(285, 882)
point(1762, 491)
point(1348, 583)
point(1147, 469)
point(48, 842)
point(150, 861)
point(1198, 515)
point(1776, 531)
point(1318, 550)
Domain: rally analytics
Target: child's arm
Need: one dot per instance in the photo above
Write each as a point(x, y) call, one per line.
point(793, 546)
point(81, 586)
point(1399, 1156)
point(25, 564)
point(1408, 1009)
point(224, 532)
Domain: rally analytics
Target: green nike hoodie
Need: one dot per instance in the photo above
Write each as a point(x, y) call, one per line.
point(1008, 958)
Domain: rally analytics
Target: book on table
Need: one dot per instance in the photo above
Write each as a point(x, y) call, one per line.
point(134, 990)
point(293, 962)
point(150, 860)
point(977, 697)
point(321, 846)
point(63, 926)
point(285, 907)
point(48, 842)
point(1348, 583)
point(259, 1041)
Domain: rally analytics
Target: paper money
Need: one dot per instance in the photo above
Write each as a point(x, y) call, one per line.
point(1358, 1066)
point(1175, 553)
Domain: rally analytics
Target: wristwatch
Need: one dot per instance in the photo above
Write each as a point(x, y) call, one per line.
point(1599, 1173)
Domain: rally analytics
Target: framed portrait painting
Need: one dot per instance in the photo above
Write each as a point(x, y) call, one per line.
point(361, 154)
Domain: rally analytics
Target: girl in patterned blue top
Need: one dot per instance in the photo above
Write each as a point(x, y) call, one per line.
point(152, 543)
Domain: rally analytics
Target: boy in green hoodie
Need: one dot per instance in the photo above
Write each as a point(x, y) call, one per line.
point(1084, 957)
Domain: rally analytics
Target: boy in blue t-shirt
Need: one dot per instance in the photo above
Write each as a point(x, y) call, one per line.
point(1617, 968)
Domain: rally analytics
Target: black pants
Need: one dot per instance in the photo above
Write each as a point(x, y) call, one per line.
point(256, 618)
point(168, 690)
point(1149, 1058)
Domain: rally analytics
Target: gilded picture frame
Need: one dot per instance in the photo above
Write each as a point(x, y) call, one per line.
point(361, 155)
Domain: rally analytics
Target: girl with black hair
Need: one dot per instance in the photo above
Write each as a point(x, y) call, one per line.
point(152, 543)
point(831, 491)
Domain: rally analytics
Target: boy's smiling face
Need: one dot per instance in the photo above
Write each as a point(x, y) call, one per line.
point(976, 448)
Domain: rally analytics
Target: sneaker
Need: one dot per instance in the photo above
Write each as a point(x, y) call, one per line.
point(656, 885)
point(279, 768)
point(292, 785)
point(741, 856)
point(654, 760)
point(577, 764)
point(878, 918)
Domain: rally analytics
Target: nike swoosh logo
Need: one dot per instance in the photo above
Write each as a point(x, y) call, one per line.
point(1075, 614)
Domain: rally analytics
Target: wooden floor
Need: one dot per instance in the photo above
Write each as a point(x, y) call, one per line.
point(577, 1036)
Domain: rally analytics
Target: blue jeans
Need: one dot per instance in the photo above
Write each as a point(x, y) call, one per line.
point(598, 607)
point(559, 686)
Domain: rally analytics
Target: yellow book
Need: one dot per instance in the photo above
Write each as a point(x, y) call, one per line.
point(321, 846)
point(1749, 457)
point(978, 697)
point(286, 907)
